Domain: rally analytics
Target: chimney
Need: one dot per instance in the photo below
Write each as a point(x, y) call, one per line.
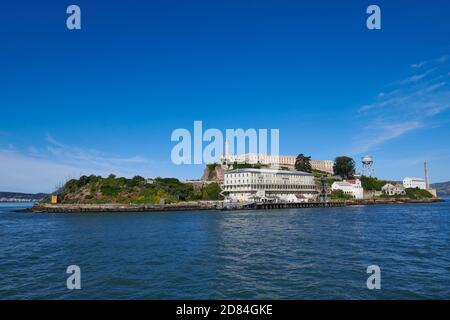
point(427, 180)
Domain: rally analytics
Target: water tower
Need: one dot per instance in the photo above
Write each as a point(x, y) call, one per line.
point(367, 166)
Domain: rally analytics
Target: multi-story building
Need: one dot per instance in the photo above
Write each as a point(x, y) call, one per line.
point(410, 182)
point(277, 160)
point(322, 165)
point(349, 187)
point(266, 185)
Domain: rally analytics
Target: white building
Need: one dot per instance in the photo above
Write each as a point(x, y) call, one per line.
point(410, 182)
point(391, 190)
point(349, 187)
point(265, 185)
point(274, 160)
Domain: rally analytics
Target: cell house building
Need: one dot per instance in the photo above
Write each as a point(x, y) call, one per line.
point(267, 185)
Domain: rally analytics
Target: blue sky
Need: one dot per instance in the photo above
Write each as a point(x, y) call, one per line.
point(106, 98)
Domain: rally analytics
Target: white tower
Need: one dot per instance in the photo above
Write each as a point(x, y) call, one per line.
point(367, 166)
point(427, 179)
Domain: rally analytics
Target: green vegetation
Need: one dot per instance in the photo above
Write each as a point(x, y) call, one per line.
point(96, 190)
point(373, 184)
point(417, 194)
point(340, 195)
point(330, 181)
point(247, 165)
point(211, 192)
point(303, 163)
point(320, 174)
point(317, 174)
point(411, 194)
point(344, 167)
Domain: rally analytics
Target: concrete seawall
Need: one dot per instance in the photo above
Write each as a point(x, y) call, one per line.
point(207, 205)
point(78, 208)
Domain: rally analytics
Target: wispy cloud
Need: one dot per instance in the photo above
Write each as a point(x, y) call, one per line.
point(408, 105)
point(424, 63)
point(72, 155)
point(378, 134)
point(416, 77)
point(419, 64)
point(36, 169)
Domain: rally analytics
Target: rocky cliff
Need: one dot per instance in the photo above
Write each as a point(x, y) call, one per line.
point(213, 172)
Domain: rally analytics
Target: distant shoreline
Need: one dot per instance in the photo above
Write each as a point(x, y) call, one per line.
point(196, 206)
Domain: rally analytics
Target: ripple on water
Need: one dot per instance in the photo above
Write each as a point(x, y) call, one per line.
point(279, 254)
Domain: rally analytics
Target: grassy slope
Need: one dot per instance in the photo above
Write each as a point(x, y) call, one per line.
point(97, 190)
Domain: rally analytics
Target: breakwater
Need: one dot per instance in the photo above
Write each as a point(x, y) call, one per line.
point(74, 208)
point(209, 205)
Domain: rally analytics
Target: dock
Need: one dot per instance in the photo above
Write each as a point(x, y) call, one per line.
point(281, 205)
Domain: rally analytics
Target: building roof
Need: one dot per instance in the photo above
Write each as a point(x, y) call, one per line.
point(273, 171)
point(343, 184)
point(414, 178)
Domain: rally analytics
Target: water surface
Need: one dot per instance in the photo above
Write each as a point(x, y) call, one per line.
point(317, 253)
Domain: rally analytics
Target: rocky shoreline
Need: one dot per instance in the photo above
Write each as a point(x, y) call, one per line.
point(190, 206)
point(393, 201)
point(79, 208)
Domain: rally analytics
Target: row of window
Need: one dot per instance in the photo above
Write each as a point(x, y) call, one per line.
point(269, 187)
point(268, 181)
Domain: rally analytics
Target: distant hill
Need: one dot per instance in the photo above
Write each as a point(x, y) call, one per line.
point(18, 196)
point(443, 188)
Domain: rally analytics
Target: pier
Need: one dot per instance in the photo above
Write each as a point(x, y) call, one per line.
point(281, 205)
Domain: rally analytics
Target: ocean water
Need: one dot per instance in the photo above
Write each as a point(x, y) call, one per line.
point(319, 253)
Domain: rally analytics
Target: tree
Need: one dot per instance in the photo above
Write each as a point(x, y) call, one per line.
point(344, 167)
point(373, 184)
point(212, 192)
point(340, 195)
point(302, 163)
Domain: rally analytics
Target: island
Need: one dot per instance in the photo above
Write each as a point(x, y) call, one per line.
point(138, 194)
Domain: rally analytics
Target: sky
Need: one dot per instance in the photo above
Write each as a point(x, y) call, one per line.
point(106, 98)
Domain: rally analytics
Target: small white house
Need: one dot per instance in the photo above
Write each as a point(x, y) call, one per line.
point(350, 187)
point(410, 182)
point(391, 190)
